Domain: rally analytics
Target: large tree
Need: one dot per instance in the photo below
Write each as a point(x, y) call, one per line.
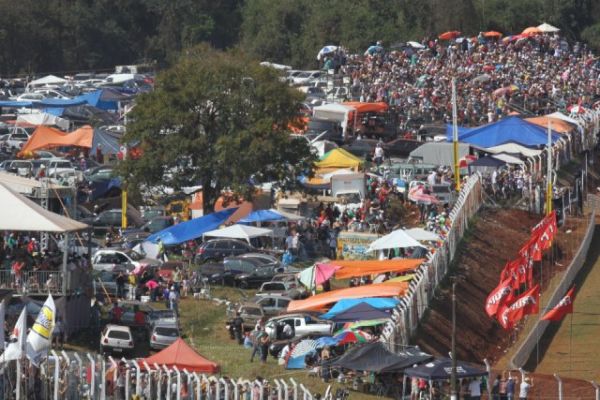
point(216, 119)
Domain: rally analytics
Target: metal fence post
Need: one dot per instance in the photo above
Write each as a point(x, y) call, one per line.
point(158, 381)
point(295, 386)
point(138, 387)
point(488, 368)
point(178, 374)
point(286, 392)
point(560, 387)
point(278, 385)
point(149, 372)
point(103, 387)
point(226, 388)
point(198, 386)
point(306, 395)
point(56, 373)
point(168, 382)
point(93, 377)
point(596, 388)
point(236, 390)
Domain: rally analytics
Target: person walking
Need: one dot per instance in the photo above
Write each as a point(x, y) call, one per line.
point(256, 335)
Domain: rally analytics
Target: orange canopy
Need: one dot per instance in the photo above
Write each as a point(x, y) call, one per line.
point(319, 301)
point(44, 138)
point(558, 125)
point(449, 35)
point(367, 107)
point(532, 30)
point(351, 269)
point(181, 355)
point(492, 34)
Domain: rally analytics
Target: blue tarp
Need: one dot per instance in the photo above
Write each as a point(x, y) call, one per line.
point(102, 99)
point(298, 362)
point(101, 188)
point(261, 216)
point(192, 229)
point(360, 312)
point(326, 341)
point(380, 303)
point(507, 130)
point(16, 104)
point(61, 103)
point(461, 131)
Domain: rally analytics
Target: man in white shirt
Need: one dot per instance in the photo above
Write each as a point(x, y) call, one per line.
point(475, 389)
point(431, 178)
point(378, 154)
point(524, 388)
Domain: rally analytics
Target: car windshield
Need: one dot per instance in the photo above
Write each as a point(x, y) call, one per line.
point(163, 331)
point(122, 335)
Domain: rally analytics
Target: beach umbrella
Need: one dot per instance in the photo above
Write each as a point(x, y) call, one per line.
point(326, 50)
point(305, 347)
point(492, 34)
point(352, 336)
point(547, 28)
point(418, 195)
point(449, 35)
point(532, 30)
point(317, 274)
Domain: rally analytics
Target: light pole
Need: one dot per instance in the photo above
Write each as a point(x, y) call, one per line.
point(453, 391)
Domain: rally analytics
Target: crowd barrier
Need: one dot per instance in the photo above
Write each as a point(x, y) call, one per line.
point(86, 376)
point(406, 316)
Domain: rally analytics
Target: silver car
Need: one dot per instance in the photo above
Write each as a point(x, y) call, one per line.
point(163, 335)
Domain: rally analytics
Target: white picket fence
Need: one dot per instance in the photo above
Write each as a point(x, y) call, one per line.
point(406, 316)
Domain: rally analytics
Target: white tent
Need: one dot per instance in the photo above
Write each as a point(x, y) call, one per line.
point(238, 231)
point(42, 118)
point(395, 240)
point(422, 235)
point(415, 45)
point(507, 158)
point(513, 148)
point(26, 186)
point(18, 213)
point(47, 80)
point(334, 112)
point(547, 28)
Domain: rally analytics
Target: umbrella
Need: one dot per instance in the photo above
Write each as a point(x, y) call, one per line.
point(418, 195)
point(482, 78)
point(151, 284)
point(547, 28)
point(532, 30)
point(374, 49)
point(351, 336)
point(304, 347)
point(422, 235)
point(415, 45)
point(326, 50)
point(395, 240)
point(492, 34)
point(449, 35)
point(317, 274)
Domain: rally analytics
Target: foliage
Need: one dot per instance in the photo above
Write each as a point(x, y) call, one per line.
point(219, 120)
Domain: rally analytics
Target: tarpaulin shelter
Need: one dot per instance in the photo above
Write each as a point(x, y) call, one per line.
point(58, 103)
point(374, 357)
point(339, 158)
point(356, 268)
point(320, 301)
point(42, 118)
point(487, 161)
point(15, 104)
point(192, 229)
point(514, 148)
point(238, 231)
point(394, 240)
point(104, 99)
point(507, 130)
point(378, 303)
point(45, 138)
point(179, 354)
point(47, 80)
point(262, 216)
point(441, 369)
point(558, 125)
point(509, 159)
point(360, 312)
point(109, 142)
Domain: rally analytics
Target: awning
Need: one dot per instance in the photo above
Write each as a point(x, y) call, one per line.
point(513, 148)
point(25, 186)
point(357, 268)
point(374, 357)
point(239, 232)
point(379, 303)
point(441, 369)
point(339, 158)
point(395, 240)
point(360, 312)
point(45, 138)
point(262, 216)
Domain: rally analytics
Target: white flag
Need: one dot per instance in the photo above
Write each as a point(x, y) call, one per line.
point(40, 336)
point(15, 348)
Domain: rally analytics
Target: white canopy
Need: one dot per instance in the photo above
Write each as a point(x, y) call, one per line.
point(547, 28)
point(513, 148)
point(26, 186)
point(18, 213)
point(422, 235)
point(342, 171)
point(507, 158)
point(48, 80)
point(395, 240)
point(42, 118)
point(334, 112)
point(415, 45)
point(238, 231)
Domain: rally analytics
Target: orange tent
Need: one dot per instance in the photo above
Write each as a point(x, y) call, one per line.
point(351, 269)
point(532, 30)
point(492, 34)
point(558, 125)
point(45, 138)
point(321, 300)
point(181, 355)
point(449, 35)
point(367, 107)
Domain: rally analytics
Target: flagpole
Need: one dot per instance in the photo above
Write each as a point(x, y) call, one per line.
point(571, 345)
point(455, 136)
point(549, 173)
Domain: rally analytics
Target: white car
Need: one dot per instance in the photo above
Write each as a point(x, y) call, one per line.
point(303, 78)
point(14, 140)
point(300, 324)
point(30, 97)
point(113, 260)
point(116, 339)
point(52, 94)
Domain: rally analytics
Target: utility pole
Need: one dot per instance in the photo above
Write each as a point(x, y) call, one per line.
point(455, 137)
point(453, 391)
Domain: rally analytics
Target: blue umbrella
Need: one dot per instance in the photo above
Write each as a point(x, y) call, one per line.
point(374, 49)
point(326, 50)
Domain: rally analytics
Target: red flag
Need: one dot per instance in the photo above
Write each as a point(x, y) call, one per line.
point(501, 295)
point(531, 250)
point(527, 304)
point(562, 308)
point(545, 232)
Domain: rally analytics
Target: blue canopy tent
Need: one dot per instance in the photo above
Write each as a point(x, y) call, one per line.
point(261, 216)
point(15, 104)
point(507, 130)
point(379, 303)
point(104, 99)
point(191, 229)
point(60, 103)
point(360, 312)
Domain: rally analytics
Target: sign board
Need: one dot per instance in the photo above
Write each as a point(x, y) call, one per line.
point(354, 245)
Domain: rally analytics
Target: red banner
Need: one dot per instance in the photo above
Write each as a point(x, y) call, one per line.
point(501, 295)
point(527, 304)
point(564, 307)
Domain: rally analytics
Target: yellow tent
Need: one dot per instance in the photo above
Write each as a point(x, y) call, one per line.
point(339, 158)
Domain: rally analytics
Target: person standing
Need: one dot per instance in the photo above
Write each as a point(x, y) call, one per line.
point(510, 388)
point(524, 388)
point(120, 281)
point(264, 348)
point(475, 389)
point(238, 328)
point(256, 348)
point(174, 300)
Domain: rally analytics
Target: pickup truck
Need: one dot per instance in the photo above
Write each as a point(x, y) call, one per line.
point(301, 324)
point(289, 289)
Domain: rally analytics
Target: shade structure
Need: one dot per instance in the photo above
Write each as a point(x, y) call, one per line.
point(441, 369)
point(547, 28)
point(513, 148)
point(192, 229)
point(237, 231)
point(46, 138)
point(357, 268)
point(422, 235)
point(326, 50)
point(532, 30)
point(492, 34)
point(317, 274)
point(25, 186)
point(360, 312)
point(48, 80)
point(449, 35)
point(378, 303)
point(320, 301)
point(367, 107)
point(42, 118)
point(18, 213)
point(352, 336)
point(339, 158)
point(398, 239)
point(374, 357)
point(262, 216)
point(558, 124)
point(181, 355)
point(509, 159)
point(487, 161)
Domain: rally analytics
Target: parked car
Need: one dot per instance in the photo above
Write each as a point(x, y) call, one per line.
point(217, 249)
point(250, 313)
point(154, 225)
point(104, 283)
point(289, 289)
point(81, 245)
point(304, 77)
point(247, 272)
point(166, 316)
point(362, 148)
point(14, 140)
point(110, 218)
point(116, 339)
point(120, 260)
point(151, 212)
point(163, 335)
point(99, 173)
point(301, 324)
point(18, 167)
point(272, 304)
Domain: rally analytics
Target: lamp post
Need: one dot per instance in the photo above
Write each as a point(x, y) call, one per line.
point(453, 391)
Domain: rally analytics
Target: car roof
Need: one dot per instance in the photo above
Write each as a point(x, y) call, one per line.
point(118, 327)
point(165, 324)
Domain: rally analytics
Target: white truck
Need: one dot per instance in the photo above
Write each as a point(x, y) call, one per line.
point(348, 190)
point(300, 325)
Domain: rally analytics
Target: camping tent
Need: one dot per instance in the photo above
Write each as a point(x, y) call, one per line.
point(507, 130)
point(438, 153)
point(374, 357)
point(179, 354)
point(42, 118)
point(441, 369)
point(379, 303)
point(262, 216)
point(339, 158)
point(239, 232)
point(395, 240)
point(192, 229)
point(45, 138)
point(360, 312)
point(18, 213)
point(321, 300)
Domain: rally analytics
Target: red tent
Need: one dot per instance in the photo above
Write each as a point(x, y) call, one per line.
point(181, 355)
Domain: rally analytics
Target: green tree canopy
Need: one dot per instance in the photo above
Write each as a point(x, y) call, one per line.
point(219, 120)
